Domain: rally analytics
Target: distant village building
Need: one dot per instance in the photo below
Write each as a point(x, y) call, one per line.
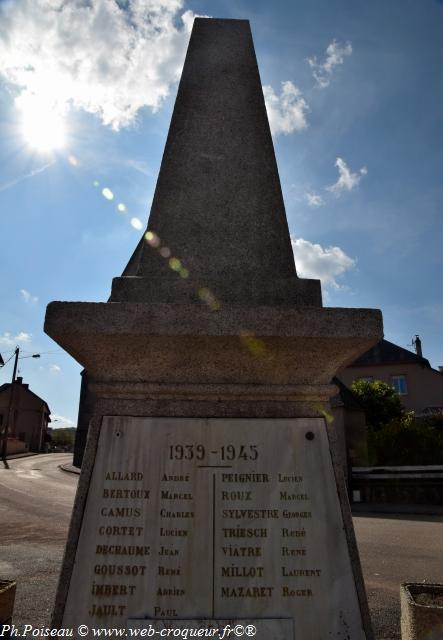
point(29, 417)
point(419, 386)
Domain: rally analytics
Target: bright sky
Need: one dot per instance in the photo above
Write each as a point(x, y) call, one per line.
point(354, 92)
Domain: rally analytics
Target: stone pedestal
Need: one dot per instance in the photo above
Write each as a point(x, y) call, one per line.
point(212, 361)
point(257, 361)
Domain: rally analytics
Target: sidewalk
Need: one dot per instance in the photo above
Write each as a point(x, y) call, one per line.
point(27, 454)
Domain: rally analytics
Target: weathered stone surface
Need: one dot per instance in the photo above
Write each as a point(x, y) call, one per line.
point(218, 205)
point(192, 344)
point(287, 292)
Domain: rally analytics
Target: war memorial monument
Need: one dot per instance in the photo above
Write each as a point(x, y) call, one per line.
point(211, 492)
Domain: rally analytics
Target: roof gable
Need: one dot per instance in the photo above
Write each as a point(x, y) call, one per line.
point(6, 386)
point(385, 352)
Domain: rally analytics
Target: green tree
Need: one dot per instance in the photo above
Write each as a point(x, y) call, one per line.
point(396, 436)
point(379, 401)
point(63, 437)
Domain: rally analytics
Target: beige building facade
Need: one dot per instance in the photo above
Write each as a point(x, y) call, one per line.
point(419, 386)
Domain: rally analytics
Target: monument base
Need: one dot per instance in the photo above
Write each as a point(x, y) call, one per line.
point(216, 519)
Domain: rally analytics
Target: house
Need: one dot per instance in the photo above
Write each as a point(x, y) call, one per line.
point(29, 417)
point(419, 386)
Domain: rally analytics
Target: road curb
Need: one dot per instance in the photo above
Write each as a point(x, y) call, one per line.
point(69, 468)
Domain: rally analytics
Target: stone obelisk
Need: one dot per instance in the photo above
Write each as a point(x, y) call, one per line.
point(218, 203)
point(210, 489)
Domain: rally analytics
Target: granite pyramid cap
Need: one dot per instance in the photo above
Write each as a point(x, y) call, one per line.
point(218, 206)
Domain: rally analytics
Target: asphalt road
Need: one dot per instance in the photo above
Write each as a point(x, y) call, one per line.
point(395, 549)
point(36, 500)
point(35, 504)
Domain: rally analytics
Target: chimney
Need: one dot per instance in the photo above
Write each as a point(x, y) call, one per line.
point(19, 379)
point(417, 344)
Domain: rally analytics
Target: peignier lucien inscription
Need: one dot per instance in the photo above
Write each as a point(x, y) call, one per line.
point(252, 529)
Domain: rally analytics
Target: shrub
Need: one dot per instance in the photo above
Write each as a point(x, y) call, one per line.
point(406, 441)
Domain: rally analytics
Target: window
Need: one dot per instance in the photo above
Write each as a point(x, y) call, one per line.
point(399, 384)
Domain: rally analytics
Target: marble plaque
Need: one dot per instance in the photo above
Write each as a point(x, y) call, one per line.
point(214, 519)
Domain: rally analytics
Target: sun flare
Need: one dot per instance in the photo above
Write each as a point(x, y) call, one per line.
point(43, 125)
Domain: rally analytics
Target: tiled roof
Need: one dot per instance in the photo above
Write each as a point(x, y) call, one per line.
point(386, 352)
point(6, 385)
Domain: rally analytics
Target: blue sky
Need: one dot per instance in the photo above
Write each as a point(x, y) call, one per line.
point(354, 93)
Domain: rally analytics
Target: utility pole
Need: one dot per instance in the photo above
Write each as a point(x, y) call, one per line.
point(4, 444)
point(8, 415)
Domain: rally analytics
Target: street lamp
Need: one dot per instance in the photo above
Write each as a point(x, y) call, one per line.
point(11, 403)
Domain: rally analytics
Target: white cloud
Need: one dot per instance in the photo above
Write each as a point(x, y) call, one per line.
point(108, 57)
point(286, 112)
point(347, 181)
point(60, 422)
point(314, 200)
point(335, 55)
point(27, 297)
point(9, 340)
point(313, 261)
point(54, 368)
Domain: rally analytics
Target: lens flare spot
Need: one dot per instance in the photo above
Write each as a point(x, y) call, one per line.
point(329, 418)
point(175, 264)
point(203, 293)
point(152, 239)
point(165, 252)
point(256, 346)
point(107, 193)
point(209, 298)
point(96, 183)
point(73, 161)
point(121, 208)
point(184, 273)
point(137, 223)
